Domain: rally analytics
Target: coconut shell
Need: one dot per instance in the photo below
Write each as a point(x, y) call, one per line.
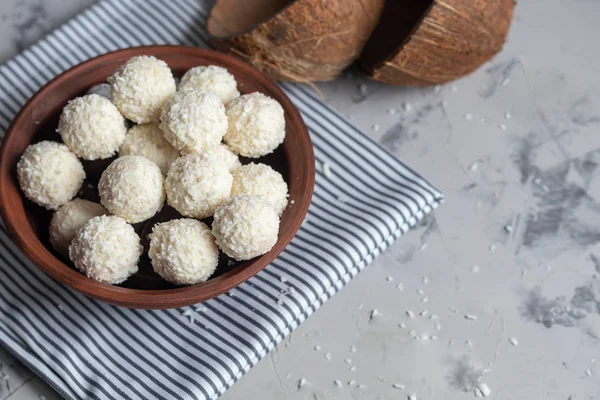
point(435, 41)
point(302, 40)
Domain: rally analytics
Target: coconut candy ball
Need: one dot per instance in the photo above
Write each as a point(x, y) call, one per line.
point(68, 219)
point(49, 174)
point(183, 251)
point(107, 249)
point(197, 185)
point(141, 87)
point(261, 180)
point(225, 156)
point(256, 125)
point(194, 121)
point(212, 78)
point(92, 127)
point(148, 141)
point(246, 227)
point(132, 187)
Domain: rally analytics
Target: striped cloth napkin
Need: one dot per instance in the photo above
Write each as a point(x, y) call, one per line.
point(86, 349)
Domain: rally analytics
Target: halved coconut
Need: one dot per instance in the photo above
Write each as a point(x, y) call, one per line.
point(301, 40)
point(421, 43)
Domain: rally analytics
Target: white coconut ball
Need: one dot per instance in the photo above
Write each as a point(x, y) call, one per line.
point(197, 185)
point(92, 127)
point(132, 187)
point(225, 156)
point(141, 87)
point(49, 174)
point(212, 78)
point(246, 227)
point(183, 251)
point(256, 125)
point(261, 180)
point(194, 121)
point(107, 249)
point(68, 219)
point(148, 141)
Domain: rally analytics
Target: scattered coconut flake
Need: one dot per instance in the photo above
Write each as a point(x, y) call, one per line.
point(353, 368)
point(475, 268)
point(402, 325)
point(375, 127)
point(425, 280)
point(361, 305)
point(362, 387)
point(424, 313)
point(187, 313)
point(505, 81)
point(492, 247)
point(473, 167)
point(454, 310)
point(420, 292)
point(406, 106)
point(410, 314)
point(301, 383)
point(433, 337)
point(398, 386)
point(348, 361)
point(374, 313)
point(423, 246)
point(280, 302)
point(351, 382)
point(485, 389)
point(593, 361)
point(327, 170)
point(317, 348)
point(470, 317)
point(362, 88)
point(42, 397)
point(352, 349)
point(477, 392)
point(438, 327)
point(412, 333)
point(381, 379)
point(482, 119)
point(502, 127)
point(230, 294)
point(283, 279)
point(328, 356)
point(412, 397)
point(507, 115)
point(337, 383)
point(424, 337)
point(391, 111)
point(508, 228)
point(389, 278)
point(434, 316)
point(425, 299)
point(400, 287)
point(292, 201)
point(588, 372)
point(469, 343)
point(60, 307)
point(468, 117)
point(514, 341)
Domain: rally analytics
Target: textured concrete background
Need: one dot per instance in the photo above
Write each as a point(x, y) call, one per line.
point(506, 271)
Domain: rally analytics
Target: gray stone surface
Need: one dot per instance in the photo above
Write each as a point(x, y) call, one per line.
point(511, 260)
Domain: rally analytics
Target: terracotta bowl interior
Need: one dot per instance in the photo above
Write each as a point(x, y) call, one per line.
point(28, 223)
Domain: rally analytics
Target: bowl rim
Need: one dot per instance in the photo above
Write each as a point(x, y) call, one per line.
point(153, 298)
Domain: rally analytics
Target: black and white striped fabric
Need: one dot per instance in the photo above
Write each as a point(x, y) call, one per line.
point(86, 349)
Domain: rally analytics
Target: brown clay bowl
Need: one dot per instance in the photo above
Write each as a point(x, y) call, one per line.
point(27, 223)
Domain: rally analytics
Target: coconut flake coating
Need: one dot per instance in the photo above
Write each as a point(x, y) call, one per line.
point(261, 180)
point(49, 174)
point(197, 185)
point(256, 125)
point(132, 187)
point(107, 249)
point(194, 121)
point(148, 141)
point(68, 219)
point(183, 251)
point(246, 227)
point(92, 127)
point(212, 78)
point(225, 156)
point(141, 87)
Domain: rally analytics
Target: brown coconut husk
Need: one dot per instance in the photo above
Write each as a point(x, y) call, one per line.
point(429, 42)
point(301, 40)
